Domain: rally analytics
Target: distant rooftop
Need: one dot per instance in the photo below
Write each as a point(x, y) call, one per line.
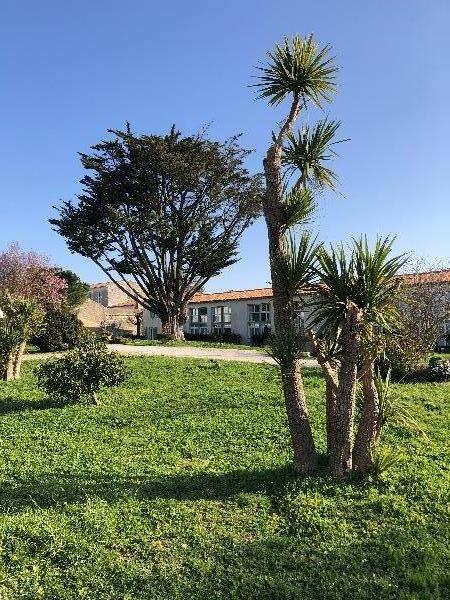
point(442, 276)
point(256, 293)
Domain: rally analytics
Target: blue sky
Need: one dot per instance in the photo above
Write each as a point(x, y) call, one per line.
point(70, 70)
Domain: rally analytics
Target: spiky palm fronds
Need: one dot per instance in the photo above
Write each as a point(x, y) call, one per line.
point(376, 276)
point(297, 268)
point(299, 206)
point(382, 458)
point(368, 278)
point(286, 348)
point(393, 409)
point(300, 67)
point(308, 150)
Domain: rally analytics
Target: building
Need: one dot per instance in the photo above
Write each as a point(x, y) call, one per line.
point(247, 313)
point(435, 286)
point(108, 307)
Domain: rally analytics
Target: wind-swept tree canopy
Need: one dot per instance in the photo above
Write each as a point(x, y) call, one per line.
point(164, 212)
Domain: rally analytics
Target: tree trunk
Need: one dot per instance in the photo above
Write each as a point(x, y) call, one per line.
point(341, 451)
point(331, 387)
point(369, 424)
point(8, 373)
point(305, 456)
point(17, 360)
point(171, 327)
point(138, 325)
point(330, 368)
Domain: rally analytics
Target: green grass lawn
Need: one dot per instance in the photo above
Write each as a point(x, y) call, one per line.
point(179, 486)
point(441, 355)
point(194, 344)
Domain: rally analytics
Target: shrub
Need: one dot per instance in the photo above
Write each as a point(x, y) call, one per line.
point(226, 337)
point(440, 371)
point(82, 373)
point(62, 331)
point(403, 356)
point(261, 338)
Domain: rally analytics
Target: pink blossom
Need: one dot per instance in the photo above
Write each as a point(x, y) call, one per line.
point(30, 275)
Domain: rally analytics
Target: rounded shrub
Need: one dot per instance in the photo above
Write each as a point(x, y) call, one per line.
point(81, 373)
point(62, 331)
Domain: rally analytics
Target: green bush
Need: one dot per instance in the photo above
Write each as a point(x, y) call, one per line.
point(437, 371)
point(403, 356)
point(62, 331)
point(81, 373)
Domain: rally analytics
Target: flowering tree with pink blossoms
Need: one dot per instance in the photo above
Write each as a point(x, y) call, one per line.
point(30, 275)
point(28, 283)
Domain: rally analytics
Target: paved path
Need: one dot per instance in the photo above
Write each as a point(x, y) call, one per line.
point(252, 356)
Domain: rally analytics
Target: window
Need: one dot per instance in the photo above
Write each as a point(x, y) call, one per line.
point(221, 318)
point(221, 314)
point(199, 315)
point(299, 316)
point(198, 320)
point(198, 329)
point(259, 320)
point(259, 313)
point(97, 296)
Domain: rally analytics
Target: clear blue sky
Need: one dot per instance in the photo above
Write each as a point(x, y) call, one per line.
point(70, 70)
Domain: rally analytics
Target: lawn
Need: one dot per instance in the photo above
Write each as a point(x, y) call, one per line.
point(179, 486)
point(194, 344)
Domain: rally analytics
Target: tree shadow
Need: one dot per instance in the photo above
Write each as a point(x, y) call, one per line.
point(11, 405)
point(52, 489)
point(386, 564)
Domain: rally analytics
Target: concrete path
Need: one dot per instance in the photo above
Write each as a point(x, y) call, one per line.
point(252, 356)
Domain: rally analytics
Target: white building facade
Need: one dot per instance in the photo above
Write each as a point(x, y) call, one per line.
point(246, 313)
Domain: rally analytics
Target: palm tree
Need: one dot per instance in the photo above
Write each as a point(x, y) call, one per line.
point(308, 150)
point(302, 72)
point(353, 301)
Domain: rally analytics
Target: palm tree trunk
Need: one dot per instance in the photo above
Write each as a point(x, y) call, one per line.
point(341, 451)
point(305, 456)
point(330, 368)
point(331, 388)
point(369, 424)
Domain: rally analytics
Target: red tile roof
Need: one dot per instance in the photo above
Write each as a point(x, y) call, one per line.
point(255, 294)
point(442, 276)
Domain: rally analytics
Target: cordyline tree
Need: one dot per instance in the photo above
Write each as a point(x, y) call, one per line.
point(354, 311)
point(302, 73)
point(352, 295)
point(161, 215)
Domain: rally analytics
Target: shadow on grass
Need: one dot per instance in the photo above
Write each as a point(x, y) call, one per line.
point(51, 490)
point(10, 405)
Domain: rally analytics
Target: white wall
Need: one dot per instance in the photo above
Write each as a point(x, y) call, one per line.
point(239, 316)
